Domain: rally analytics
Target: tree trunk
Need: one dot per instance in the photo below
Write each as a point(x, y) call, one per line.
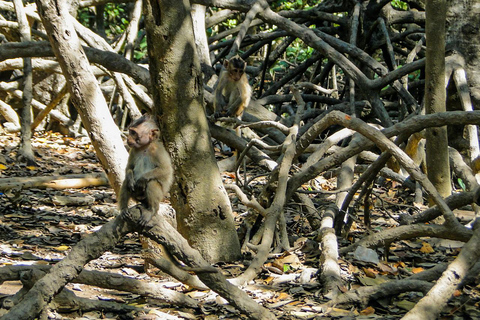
point(204, 214)
point(85, 92)
point(463, 19)
point(435, 95)
point(25, 151)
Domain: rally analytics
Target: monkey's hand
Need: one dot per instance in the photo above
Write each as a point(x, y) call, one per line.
point(124, 213)
point(145, 219)
point(141, 184)
point(231, 112)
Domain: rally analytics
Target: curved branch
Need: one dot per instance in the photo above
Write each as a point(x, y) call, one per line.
point(110, 60)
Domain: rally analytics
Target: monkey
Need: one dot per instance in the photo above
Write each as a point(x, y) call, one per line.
point(149, 171)
point(148, 178)
point(232, 94)
point(148, 175)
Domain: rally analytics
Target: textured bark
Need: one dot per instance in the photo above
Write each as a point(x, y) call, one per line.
point(437, 143)
point(463, 36)
point(85, 92)
point(204, 214)
point(25, 151)
point(430, 306)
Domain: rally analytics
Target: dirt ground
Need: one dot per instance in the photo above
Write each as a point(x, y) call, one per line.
point(38, 226)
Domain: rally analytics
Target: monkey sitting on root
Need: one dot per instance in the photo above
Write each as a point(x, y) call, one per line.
point(149, 171)
point(148, 178)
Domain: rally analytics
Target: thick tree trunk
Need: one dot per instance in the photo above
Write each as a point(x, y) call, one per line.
point(203, 209)
point(435, 95)
point(463, 36)
point(85, 92)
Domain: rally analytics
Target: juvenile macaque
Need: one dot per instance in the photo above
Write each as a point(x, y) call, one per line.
point(233, 91)
point(149, 171)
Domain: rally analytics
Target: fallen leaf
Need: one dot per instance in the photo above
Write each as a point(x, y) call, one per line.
point(417, 270)
point(366, 281)
point(426, 248)
point(367, 311)
point(406, 305)
point(369, 272)
point(62, 248)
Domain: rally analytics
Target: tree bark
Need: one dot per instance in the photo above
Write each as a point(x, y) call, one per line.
point(85, 92)
point(463, 35)
point(204, 213)
point(435, 94)
point(25, 151)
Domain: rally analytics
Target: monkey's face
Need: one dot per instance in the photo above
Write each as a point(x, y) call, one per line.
point(236, 73)
point(138, 138)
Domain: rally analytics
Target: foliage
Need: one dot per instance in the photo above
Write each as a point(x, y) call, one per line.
point(116, 18)
point(141, 52)
point(293, 5)
point(399, 4)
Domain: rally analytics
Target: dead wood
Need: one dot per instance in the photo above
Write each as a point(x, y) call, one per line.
point(25, 150)
point(362, 296)
point(65, 299)
point(109, 280)
point(92, 247)
point(275, 210)
point(454, 201)
point(232, 140)
point(164, 233)
point(407, 127)
point(329, 270)
point(55, 182)
point(85, 92)
point(110, 60)
point(430, 306)
point(388, 236)
point(462, 170)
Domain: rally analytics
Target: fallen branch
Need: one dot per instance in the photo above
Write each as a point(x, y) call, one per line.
point(362, 296)
point(165, 234)
point(107, 280)
point(409, 232)
point(430, 306)
point(92, 247)
point(55, 182)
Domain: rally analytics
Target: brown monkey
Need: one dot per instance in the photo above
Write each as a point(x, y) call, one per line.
point(148, 177)
point(233, 91)
point(149, 171)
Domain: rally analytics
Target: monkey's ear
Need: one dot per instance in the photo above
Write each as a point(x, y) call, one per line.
point(225, 63)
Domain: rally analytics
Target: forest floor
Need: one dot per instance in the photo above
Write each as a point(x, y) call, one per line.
point(38, 226)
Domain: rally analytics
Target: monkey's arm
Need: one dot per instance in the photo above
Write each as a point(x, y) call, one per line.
point(160, 174)
point(123, 196)
point(162, 171)
point(219, 100)
point(236, 107)
point(128, 183)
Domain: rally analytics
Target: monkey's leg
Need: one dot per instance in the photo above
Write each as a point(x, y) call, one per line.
point(153, 197)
